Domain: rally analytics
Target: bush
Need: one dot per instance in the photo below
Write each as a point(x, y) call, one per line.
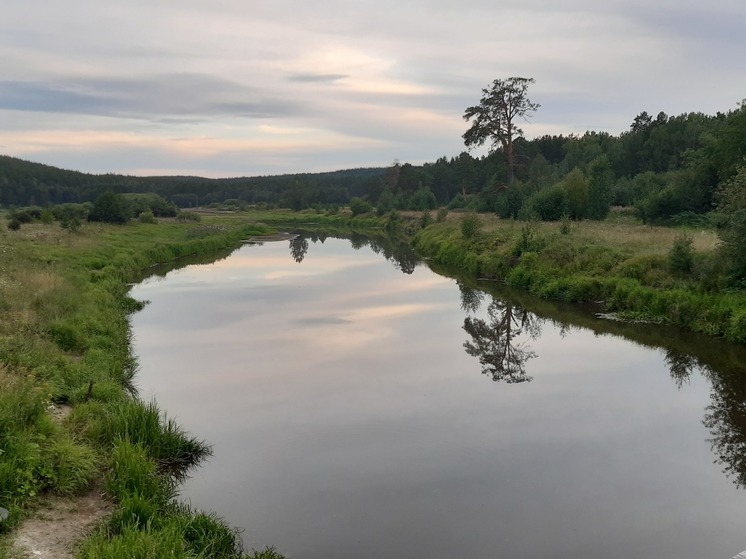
point(188, 216)
point(147, 217)
point(681, 256)
point(110, 208)
point(14, 224)
point(425, 219)
point(549, 204)
point(470, 225)
point(442, 214)
point(359, 206)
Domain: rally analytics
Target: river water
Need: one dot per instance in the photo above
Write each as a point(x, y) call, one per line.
point(362, 406)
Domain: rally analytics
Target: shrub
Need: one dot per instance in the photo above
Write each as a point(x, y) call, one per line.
point(550, 204)
point(188, 216)
point(425, 219)
point(442, 214)
point(14, 224)
point(470, 225)
point(110, 208)
point(147, 217)
point(359, 206)
point(681, 256)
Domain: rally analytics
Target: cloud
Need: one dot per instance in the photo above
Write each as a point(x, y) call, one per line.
point(155, 97)
point(317, 78)
point(293, 86)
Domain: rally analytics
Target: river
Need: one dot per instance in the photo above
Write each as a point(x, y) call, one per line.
point(363, 406)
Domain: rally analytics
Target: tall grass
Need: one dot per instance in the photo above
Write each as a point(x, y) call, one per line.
point(173, 450)
point(647, 273)
point(65, 339)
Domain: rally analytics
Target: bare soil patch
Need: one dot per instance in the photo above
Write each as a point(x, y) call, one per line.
point(59, 525)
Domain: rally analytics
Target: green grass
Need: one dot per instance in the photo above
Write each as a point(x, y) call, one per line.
point(623, 267)
point(65, 339)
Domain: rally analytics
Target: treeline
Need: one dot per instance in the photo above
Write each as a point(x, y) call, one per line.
point(668, 168)
point(23, 183)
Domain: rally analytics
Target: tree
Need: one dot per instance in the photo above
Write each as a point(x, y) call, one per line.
point(494, 117)
point(110, 208)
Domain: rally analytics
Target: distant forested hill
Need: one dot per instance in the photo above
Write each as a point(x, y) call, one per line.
point(667, 167)
point(24, 183)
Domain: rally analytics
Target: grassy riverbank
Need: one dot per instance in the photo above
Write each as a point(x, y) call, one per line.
point(638, 272)
point(69, 422)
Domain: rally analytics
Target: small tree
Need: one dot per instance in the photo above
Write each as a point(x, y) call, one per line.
point(732, 205)
point(494, 117)
point(681, 256)
point(110, 208)
point(470, 225)
point(576, 187)
point(359, 206)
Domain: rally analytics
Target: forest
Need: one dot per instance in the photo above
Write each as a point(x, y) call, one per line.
point(668, 168)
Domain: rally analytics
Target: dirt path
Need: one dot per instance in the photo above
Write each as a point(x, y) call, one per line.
point(58, 526)
point(60, 523)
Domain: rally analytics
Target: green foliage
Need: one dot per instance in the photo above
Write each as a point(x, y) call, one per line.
point(576, 188)
point(681, 255)
point(471, 225)
point(425, 219)
point(493, 119)
point(565, 226)
point(732, 207)
point(207, 535)
point(358, 206)
point(133, 471)
point(110, 208)
point(14, 224)
point(188, 216)
point(74, 466)
point(441, 216)
point(549, 204)
point(600, 181)
point(67, 337)
point(146, 217)
point(394, 223)
point(173, 450)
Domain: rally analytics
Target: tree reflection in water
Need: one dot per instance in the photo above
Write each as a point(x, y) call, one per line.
point(726, 420)
point(299, 248)
point(495, 341)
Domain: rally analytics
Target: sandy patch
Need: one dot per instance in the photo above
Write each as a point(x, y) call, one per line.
point(57, 528)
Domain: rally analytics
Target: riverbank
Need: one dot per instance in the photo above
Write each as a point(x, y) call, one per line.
point(65, 345)
point(628, 270)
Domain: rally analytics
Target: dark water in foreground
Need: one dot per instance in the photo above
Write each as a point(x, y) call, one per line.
point(354, 414)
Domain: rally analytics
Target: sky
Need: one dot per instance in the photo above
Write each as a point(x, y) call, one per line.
point(231, 88)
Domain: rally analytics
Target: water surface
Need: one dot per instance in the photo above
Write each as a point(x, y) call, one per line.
point(361, 405)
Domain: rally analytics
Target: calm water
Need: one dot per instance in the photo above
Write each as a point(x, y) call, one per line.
point(357, 411)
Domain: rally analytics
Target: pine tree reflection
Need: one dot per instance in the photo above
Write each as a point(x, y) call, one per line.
point(298, 248)
point(496, 343)
point(471, 299)
point(681, 366)
point(726, 420)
